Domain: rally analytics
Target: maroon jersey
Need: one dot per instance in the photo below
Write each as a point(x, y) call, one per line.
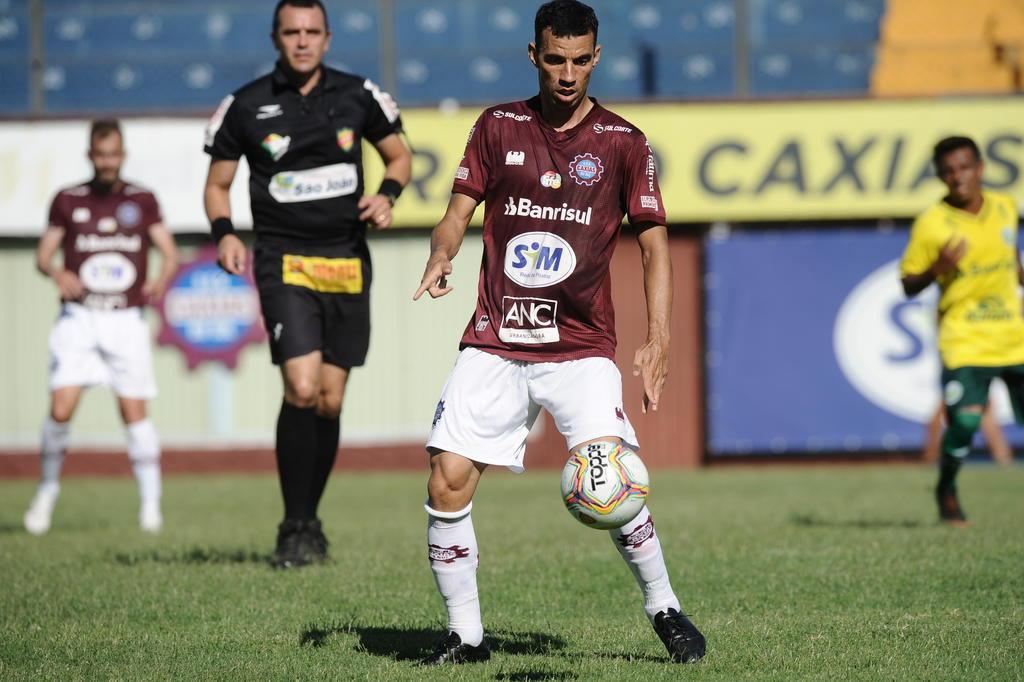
point(106, 241)
point(554, 208)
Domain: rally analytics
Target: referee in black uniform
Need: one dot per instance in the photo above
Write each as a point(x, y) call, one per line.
point(300, 129)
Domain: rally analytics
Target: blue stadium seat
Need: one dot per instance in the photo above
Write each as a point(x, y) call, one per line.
point(822, 68)
point(670, 22)
point(854, 21)
point(355, 27)
point(14, 83)
point(484, 78)
point(693, 72)
point(104, 85)
point(14, 34)
point(619, 76)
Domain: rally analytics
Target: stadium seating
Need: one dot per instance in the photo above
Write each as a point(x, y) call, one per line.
point(182, 55)
point(935, 47)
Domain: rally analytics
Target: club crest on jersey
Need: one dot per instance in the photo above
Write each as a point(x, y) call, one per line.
point(276, 146)
point(586, 169)
point(551, 180)
point(346, 138)
point(128, 214)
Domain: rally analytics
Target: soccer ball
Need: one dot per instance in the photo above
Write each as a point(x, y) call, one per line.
point(604, 485)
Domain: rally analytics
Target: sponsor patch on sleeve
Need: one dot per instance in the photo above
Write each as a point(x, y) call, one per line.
point(649, 202)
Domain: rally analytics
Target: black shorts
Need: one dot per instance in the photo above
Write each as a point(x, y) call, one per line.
point(315, 298)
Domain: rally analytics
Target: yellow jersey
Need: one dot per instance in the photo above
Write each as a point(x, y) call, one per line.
point(980, 319)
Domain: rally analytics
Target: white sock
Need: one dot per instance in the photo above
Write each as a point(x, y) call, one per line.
point(452, 551)
point(639, 546)
point(144, 453)
point(54, 445)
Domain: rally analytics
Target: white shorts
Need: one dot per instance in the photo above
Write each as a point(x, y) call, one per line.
point(102, 348)
point(489, 404)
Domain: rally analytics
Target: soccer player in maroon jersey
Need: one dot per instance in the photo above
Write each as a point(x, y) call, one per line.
point(557, 173)
point(105, 228)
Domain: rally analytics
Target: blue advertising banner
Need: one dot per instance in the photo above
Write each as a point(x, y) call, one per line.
point(812, 346)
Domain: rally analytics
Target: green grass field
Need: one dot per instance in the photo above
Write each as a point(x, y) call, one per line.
point(823, 573)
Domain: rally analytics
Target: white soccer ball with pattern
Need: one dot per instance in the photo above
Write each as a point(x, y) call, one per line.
point(604, 485)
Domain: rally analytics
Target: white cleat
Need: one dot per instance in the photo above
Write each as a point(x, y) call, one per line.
point(39, 514)
point(150, 519)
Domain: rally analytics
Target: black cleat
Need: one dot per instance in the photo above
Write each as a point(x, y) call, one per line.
point(451, 650)
point(950, 511)
point(291, 550)
point(315, 541)
point(683, 640)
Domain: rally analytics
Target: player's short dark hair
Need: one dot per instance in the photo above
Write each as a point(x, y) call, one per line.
point(308, 4)
point(104, 127)
point(566, 19)
point(951, 144)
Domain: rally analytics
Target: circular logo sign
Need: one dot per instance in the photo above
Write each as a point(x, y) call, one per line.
point(209, 314)
point(539, 259)
point(885, 345)
point(107, 273)
point(551, 180)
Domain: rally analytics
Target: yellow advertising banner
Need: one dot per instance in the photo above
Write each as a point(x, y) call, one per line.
point(766, 161)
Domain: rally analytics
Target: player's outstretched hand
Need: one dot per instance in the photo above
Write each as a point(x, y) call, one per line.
point(651, 363)
point(231, 255)
point(375, 210)
point(69, 285)
point(435, 277)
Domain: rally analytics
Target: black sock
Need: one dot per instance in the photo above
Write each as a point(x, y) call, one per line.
point(296, 456)
point(949, 466)
point(327, 433)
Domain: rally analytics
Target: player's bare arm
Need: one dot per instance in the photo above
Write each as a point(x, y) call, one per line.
point(949, 257)
point(217, 198)
point(163, 240)
point(445, 242)
point(68, 284)
point(651, 359)
point(376, 208)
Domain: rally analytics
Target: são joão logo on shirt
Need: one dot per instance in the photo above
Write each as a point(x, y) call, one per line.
point(539, 259)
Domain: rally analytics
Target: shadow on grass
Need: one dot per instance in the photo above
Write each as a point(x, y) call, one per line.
point(530, 675)
point(811, 521)
point(411, 644)
point(12, 528)
point(193, 556)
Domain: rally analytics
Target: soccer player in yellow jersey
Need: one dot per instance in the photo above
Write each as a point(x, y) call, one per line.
point(967, 243)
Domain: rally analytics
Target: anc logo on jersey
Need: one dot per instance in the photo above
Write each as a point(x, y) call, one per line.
point(586, 169)
point(346, 139)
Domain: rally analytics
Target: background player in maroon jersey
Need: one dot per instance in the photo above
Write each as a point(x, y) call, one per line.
point(557, 172)
point(105, 228)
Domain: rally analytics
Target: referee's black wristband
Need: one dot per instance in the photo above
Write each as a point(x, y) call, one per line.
point(220, 228)
point(390, 188)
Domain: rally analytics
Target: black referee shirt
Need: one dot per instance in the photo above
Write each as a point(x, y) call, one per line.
point(304, 152)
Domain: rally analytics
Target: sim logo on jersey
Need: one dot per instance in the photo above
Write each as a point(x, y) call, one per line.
point(586, 169)
point(528, 320)
point(538, 259)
